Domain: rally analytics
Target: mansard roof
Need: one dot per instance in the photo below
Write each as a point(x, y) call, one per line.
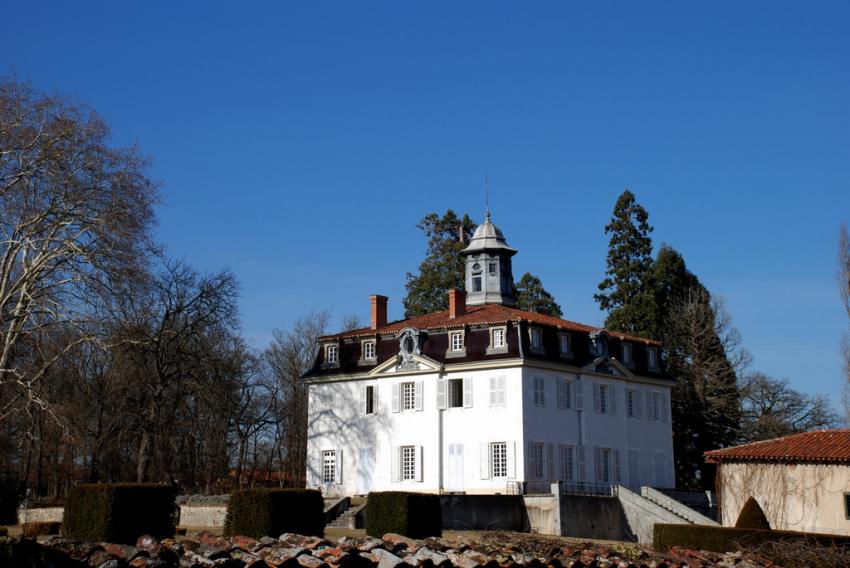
point(487, 314)
point(822, 446)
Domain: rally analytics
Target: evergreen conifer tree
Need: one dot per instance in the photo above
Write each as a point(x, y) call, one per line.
point(443, 267)
point(533, 297)
point(621, 292)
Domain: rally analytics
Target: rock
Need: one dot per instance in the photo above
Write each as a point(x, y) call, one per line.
point(309, 561)
point(264, 542)
point(426, 554)
point(212, 552)
point(282, 557)
point(371, 543)
point(397, 539)
point(149, 544)
point(386, 559)
point(98, 557)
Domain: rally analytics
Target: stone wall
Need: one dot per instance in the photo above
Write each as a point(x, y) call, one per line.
point(483, 512)
point(592, 517)
point(190, 516)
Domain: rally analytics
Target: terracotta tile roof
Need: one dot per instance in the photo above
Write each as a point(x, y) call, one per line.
point(483, 315)
point(826, 446)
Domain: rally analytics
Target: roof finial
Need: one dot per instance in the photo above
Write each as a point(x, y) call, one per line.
point(486, 199)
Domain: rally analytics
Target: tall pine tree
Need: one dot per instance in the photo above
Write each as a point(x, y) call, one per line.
point(622, 291)
point(533, 297)
point(443, 267)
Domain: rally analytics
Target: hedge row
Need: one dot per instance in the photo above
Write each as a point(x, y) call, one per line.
point(119, 512)
point(726, 539)
point(271, 512)
point(415, 515)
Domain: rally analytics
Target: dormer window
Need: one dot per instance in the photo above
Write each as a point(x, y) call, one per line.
point(331, 354)
point(368, 349)
point(565, 347)
point(498, 337)
point(627, 354)
point(652, 357)
point(536, 339)
point(457, 341)
point(491, 268)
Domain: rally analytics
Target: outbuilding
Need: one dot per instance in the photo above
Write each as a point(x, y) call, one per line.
point(801, 481)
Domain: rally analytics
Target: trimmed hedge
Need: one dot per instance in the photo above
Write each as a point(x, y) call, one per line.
point(271, 512)
point(12, 492)
point(31, 530)
point(119, 512)
point(727, 539)
point(752, 516)
point(415, 515)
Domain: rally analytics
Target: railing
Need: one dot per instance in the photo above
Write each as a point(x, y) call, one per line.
point(585, 488)
point(561, 487)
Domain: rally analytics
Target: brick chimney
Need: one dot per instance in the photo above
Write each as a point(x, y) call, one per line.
point(457, 303)
point(379, 310)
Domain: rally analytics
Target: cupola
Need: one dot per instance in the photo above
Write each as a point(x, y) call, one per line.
point(489, 277)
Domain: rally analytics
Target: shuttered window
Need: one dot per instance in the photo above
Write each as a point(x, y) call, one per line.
point(329, 466)
point(497, 391)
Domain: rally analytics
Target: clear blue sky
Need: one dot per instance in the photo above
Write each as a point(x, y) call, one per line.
point(299, 144)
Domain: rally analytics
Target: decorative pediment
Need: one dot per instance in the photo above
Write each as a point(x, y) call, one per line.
point(413, 363)
point(608, 366)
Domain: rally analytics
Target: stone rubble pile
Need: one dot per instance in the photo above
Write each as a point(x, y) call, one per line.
point(487, 550)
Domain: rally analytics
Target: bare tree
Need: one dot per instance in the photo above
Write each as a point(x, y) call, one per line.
point(703, 351)
point(350, 322)
point(75, 216)
point(771, 408)
point(289, 356)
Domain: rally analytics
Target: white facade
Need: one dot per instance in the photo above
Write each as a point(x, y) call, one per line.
point(481, 427)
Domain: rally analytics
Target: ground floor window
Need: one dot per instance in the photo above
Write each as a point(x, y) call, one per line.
point(408, 463)
point(499, 459)
point(568, 470)
point(329, 466)
point(603, 465)
point(537, 464)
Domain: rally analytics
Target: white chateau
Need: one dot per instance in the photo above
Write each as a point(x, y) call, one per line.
point(486, 398)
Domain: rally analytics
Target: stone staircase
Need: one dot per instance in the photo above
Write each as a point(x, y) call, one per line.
point(348, 518)
point(679, 509)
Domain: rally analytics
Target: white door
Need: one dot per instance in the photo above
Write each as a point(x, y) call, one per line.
point(365, 469)
point(454, 468)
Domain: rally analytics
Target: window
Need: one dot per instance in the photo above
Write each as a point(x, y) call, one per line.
point(604, 401)
point(536, 338)
point(491, 268)
point(653, 411)
point(331, 354)
point(476, 283)
point(603, 465)
point(408, 463)
point(370, 399)
point(539, 392)
point(499, 459)
point(455, 393)
point(457, 341)
point(497, 391)
point(847, 506)
point(368, 349)
point(564, 344)
point(627, 353)
point(329, 466)
point(565, 393)
point(652, 357)
point(630, 403)
point(408, 396)
point(498, 337)
point(568, 468)
point(537, 460)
